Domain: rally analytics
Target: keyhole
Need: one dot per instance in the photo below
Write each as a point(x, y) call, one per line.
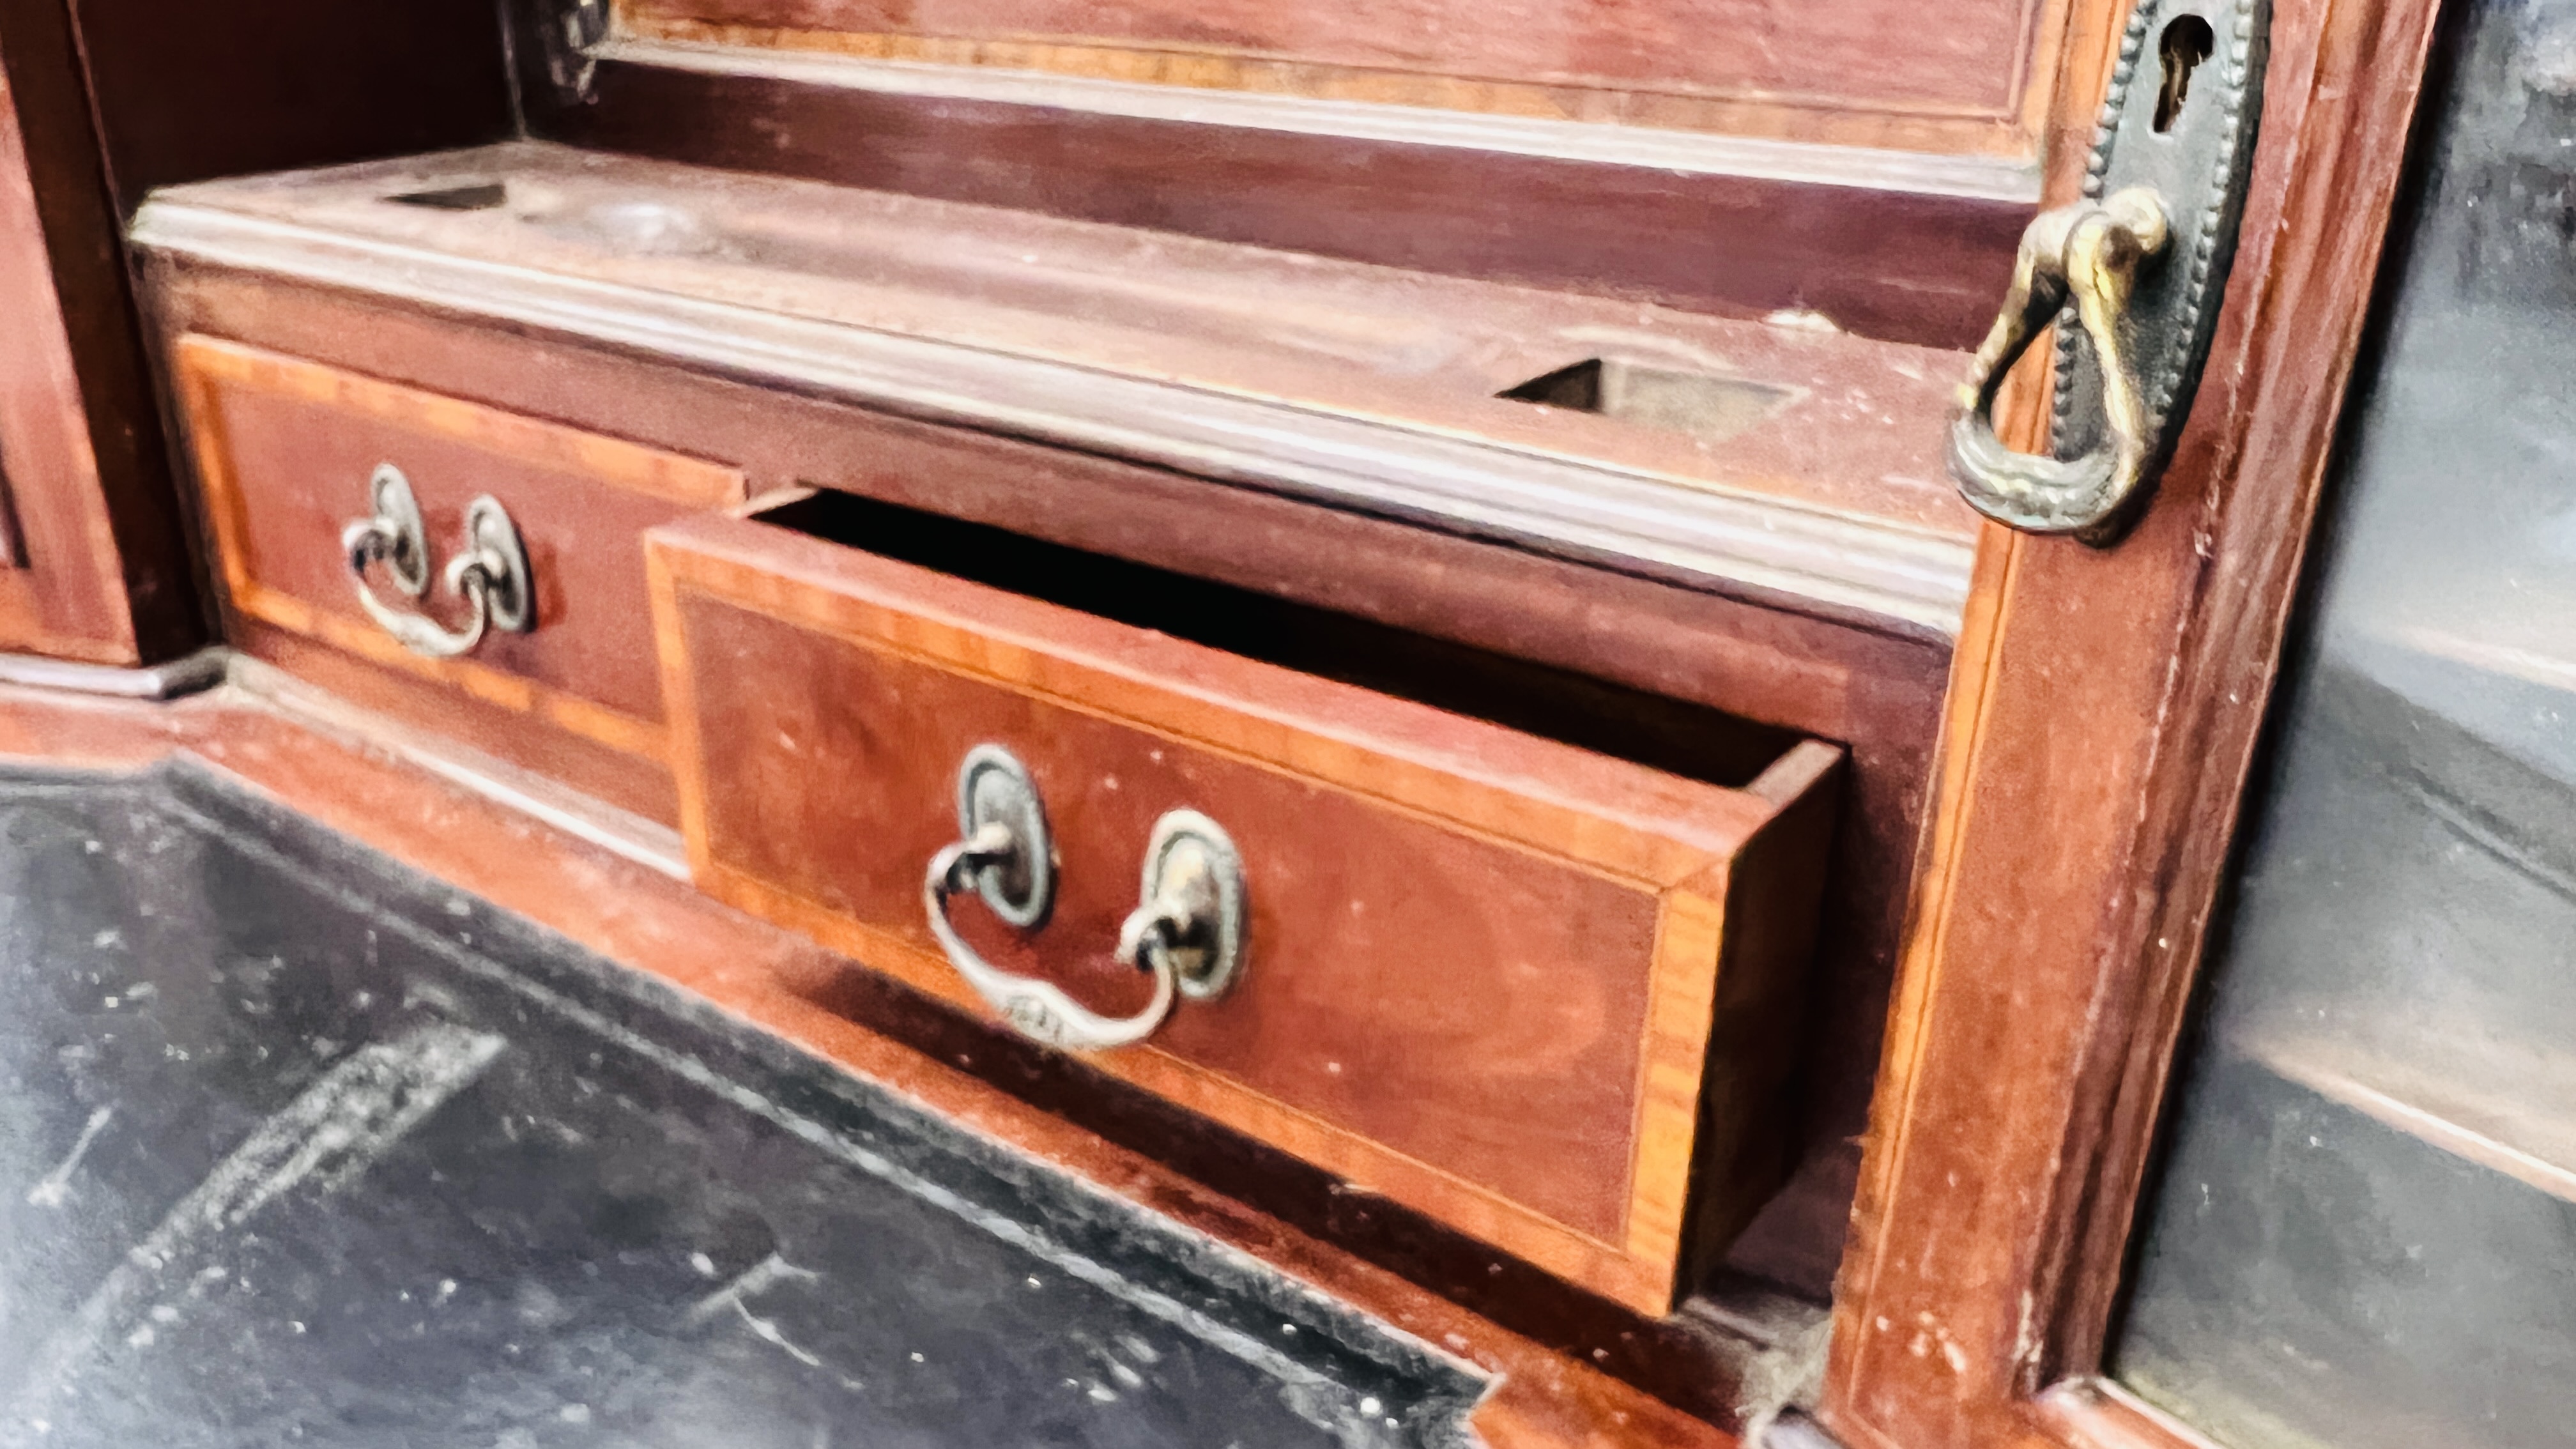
point(2186, 43)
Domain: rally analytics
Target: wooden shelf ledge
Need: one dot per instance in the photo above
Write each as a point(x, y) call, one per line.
point(808, 56)
point(2492, 1107)
point(1367, 387)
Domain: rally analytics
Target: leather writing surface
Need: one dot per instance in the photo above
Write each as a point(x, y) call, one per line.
point(307, 1146)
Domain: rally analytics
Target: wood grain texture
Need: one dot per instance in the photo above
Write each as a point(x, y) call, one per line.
point(1770, 67)
point(1878, 695)
point(1772, 924)
point(2103, 716)
point(1488, 962)
point(105, 574)
point(283, 448)
point(637, 783)
point(1543, 1398)
point(184, 91)
point(1373, 389)
point(106, 98)
point(1883, 263)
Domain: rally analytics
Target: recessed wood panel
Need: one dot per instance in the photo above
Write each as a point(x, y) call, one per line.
point(284, 450)
point(93, 566)
point(1955, 81)
point(1565, 1376)
point(1486, 966)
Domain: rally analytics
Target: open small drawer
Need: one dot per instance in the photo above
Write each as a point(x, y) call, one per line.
point(1400, 909)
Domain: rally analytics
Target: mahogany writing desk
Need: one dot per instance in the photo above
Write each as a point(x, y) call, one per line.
point(1349, 623)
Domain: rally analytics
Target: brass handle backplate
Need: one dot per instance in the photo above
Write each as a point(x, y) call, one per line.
point(490, 571)
point(2133, 274)
point(1187, 931)
point(2085, 254)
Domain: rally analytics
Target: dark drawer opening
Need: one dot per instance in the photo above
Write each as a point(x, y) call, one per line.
point(1558, 704)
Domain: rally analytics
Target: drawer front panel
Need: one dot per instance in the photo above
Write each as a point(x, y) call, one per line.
point(285, 449)
point(1483, 968)
point(1390, 996)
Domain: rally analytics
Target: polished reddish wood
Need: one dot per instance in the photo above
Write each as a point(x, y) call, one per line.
point(104, 99)
point(94, 566)
point(2103, 715)
point(1542, 1398)
point(1488, 965)
point(1876, 693)
point(284, 449)
point(499, 731)
point(1883, 261)
point(808, 286)
point(182, 91)
point(1768, 67)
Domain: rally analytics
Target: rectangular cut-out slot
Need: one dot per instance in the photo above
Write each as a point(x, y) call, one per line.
point(1525, 950)
point(1705, 405)
point(479, 196)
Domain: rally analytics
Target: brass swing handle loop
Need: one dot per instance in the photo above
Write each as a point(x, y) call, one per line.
point(1040, 1010)
point(2087, 252)
point(1186, 931)
point(490, 572)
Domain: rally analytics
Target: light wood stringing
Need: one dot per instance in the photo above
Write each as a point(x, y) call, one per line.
point(1986, 92)
point(203, 366)
point(1363, 750)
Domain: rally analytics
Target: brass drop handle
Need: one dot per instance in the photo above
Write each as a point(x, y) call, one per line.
point(490, 572)
point(1187, 931)
point(2088, 252)
point(2143, 260)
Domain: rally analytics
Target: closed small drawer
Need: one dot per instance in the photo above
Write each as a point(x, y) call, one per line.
point(1537, 991)
point(292, 454)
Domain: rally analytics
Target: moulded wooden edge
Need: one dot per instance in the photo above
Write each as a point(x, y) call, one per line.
point(633, 784)
point(2097, 1413)
point(1013, 642)
point(560, 802)
point(594, 722)
point(1986, 155)
point(1885, 241)
point(186, 674)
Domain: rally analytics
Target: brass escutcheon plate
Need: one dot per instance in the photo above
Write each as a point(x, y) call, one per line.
point(992, 785)
point(2180, 117)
